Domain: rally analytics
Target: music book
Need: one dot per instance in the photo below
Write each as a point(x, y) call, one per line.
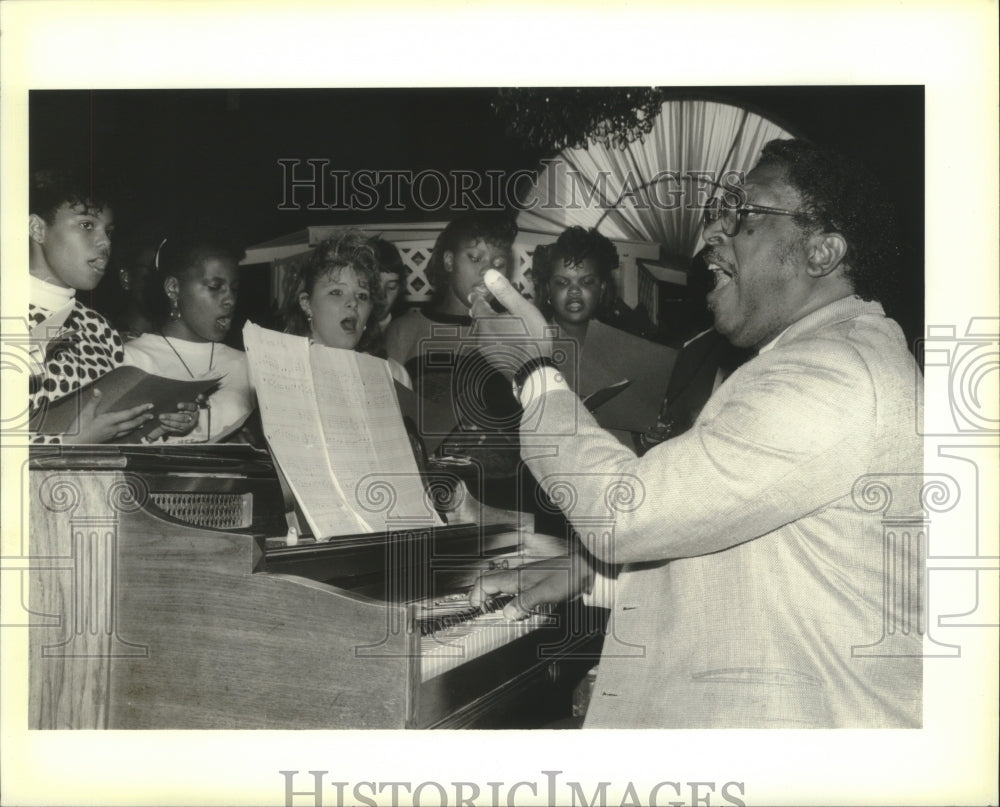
point(122, 388)
point(597, 399)
point(610, 357)
point(334, 426)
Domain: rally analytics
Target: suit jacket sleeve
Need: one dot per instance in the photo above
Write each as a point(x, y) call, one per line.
point(786, 435)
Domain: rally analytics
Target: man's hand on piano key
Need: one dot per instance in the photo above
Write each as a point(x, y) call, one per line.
point(546, 581)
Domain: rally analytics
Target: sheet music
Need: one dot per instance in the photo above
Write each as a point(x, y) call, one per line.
point(281, 375)
point(334, 425)
point(365, 437)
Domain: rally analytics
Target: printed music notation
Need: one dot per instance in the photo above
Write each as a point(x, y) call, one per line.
point(334, 426)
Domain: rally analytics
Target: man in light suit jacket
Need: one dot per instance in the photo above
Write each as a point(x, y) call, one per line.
point(771, 569)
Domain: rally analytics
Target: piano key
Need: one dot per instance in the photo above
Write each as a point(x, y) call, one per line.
point(454, 609)
point(455, 644)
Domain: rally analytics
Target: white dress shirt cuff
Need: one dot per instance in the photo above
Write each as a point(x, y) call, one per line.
point(540, 382)
point(602, 592)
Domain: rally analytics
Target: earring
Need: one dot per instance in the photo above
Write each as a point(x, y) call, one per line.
point(175, 310)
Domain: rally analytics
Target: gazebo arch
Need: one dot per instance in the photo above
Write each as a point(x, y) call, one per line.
point(652, 190)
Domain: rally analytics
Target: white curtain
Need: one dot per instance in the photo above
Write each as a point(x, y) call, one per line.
point(652, 190)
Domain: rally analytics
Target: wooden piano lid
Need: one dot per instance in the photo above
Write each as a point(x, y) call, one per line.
point(204, 458)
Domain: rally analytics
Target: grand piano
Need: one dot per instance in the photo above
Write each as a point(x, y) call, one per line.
point(167, 592)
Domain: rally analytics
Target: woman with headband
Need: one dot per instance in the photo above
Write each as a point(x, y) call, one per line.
point(197, 299)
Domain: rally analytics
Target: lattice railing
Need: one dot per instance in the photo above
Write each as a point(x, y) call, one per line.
point(416, 256)
point(649, 293)
point(416, 243)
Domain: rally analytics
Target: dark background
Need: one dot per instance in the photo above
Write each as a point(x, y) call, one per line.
point(211, 156)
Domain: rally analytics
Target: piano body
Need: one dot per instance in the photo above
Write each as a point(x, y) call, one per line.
point(163, 596)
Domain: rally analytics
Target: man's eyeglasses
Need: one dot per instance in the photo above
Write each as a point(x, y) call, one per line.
point(732, 216)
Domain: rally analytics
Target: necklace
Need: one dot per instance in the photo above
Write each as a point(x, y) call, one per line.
point(211, 355)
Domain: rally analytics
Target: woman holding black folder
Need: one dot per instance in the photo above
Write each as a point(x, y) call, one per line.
point(574, 283)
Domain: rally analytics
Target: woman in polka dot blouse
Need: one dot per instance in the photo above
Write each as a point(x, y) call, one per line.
point(70, 244)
